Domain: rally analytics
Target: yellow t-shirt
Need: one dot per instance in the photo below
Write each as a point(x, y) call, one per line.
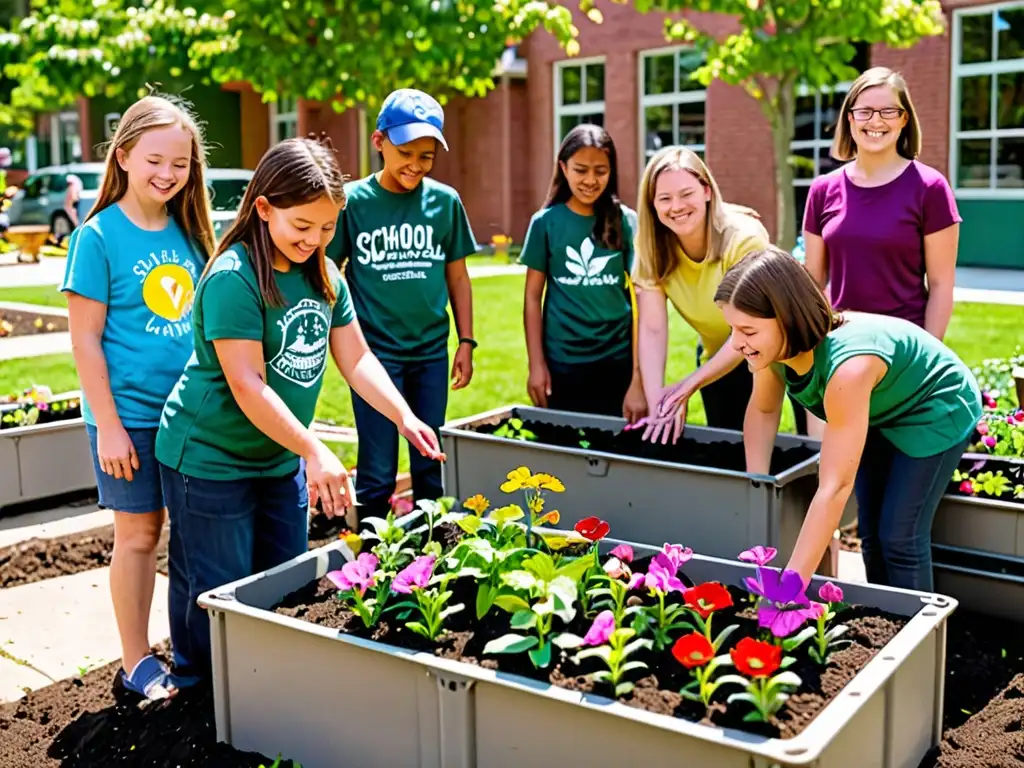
point(691, 287)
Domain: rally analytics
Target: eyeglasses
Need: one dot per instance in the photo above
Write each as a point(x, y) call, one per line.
point(863, 114)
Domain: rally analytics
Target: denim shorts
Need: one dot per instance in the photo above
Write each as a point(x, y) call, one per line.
point(144, 493)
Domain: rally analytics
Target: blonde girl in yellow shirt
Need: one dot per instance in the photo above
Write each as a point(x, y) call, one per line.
point(687, 239)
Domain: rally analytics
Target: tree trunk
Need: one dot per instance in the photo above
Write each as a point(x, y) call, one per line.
point(782, 121)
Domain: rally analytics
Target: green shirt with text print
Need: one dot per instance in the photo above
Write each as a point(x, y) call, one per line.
point(395, 247)
point(203, 432)
point(588, 315)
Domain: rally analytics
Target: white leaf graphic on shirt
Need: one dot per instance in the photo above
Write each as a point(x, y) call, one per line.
point(583, 263)
point(174, 290)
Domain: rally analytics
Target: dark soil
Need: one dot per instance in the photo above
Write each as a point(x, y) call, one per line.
point(30, 323)
point(655, 692)
point(721, 455)
point(80, 724)
point(848, 538)
point(40, 559)
point(61, 410)
point(1012, 470)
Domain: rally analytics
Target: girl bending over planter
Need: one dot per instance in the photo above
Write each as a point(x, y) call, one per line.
point(131, 272)
point(899, 408)
point(688, 238)
point(579, 251)
point(234, 440)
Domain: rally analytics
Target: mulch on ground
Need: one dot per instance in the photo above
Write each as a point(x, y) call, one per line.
point(14, 323)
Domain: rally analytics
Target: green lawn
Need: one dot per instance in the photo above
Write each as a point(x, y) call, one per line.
point(47, 296)
point(978, 331)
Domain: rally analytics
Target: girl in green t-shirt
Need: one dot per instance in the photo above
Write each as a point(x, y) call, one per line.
point(240, 466)
point(899, 408)
point(577, 309)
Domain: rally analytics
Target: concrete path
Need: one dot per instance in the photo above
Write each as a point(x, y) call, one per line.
point(48, 271)
point(35, 346)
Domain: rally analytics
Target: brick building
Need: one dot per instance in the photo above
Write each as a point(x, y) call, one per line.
point(967, 86)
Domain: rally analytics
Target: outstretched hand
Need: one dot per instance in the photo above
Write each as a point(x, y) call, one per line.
point(422, 438)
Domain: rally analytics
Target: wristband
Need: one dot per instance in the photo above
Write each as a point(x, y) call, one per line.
point(466, 340)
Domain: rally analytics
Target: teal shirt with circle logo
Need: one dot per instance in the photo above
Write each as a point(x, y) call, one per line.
point(203, 432)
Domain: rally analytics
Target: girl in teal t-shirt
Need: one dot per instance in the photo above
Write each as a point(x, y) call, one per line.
point(578, 308)
point(240, 464)
point(899, 409)
point(132, 268)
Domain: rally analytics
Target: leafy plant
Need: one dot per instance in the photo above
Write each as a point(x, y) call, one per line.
point(431, 595)
point(481, 559)
point(533, 486)
point(702, 601)
point(759, 661)
point(541, 591)
point(660, 581)
point(1001, 433)
point(396, 546)
point(354, 579)
point(783, 607)
point(513, 429)
point(613, 645)
point(695, 652)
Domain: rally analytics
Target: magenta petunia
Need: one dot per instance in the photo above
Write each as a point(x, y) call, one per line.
point(356, 575)
point(623, 552)
point(414, 576)
point(601, 630)
point(830, 593)
point(758, 555)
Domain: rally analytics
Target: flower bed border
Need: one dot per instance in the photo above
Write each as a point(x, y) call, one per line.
point(382, 706)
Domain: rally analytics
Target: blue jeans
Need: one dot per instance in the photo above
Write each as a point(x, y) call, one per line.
point(897, 496)
point(143, 494)
point(221, 531)
point(424, 385)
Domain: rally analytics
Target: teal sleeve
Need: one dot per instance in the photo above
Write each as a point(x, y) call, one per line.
point(339, 248)
point(231, 308)
point(461, 242)
point(87, 272)
point(535, 247)
point(343, 313)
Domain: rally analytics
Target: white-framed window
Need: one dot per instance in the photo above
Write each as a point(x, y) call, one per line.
point(986, 154)
point(579, 95)
point(284, 119)
point(671, 104)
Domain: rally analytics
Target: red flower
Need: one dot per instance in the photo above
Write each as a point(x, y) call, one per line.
point(966, 487)
point(693, 650)
point(592, 528)
point(755, 658)
point(707, 598)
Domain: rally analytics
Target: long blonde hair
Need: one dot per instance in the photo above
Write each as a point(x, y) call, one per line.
point(191, 206)
point(657, 247)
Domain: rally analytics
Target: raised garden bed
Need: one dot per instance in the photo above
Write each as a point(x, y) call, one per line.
point(695, 491)
point(17, 323)
point(461, 702)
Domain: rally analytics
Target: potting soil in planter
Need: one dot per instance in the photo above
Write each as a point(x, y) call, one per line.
point(60, 410)
point(719, 454)
point(978, 476)
point(656, 687)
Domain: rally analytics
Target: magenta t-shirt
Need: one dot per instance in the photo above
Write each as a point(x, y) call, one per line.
point(874, 237)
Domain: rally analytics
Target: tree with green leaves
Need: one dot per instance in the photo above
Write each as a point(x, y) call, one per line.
point(344, 52)
point(781, 44)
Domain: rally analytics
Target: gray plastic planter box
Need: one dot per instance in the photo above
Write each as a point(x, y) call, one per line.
point(44, 460)
point(988, 525)
point(327, 699)
point(991, 584)
point(717, 512)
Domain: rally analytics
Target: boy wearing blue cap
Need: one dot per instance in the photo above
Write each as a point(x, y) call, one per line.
point(403, 239)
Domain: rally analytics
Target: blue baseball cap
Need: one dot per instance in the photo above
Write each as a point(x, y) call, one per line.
point(408, 114)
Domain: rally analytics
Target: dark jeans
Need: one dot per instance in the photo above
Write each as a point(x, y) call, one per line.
point(599, 387)
point(897, 496)
point(725, 401)
point(221, 531)
point(424, 385)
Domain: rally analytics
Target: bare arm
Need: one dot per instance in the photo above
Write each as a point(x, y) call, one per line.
point(87, 319)
point(538, 385)
point(652, 343)
point(460, 292)
point(816, 258)
point(940, 266)
point(847, 404)
point(761, 422)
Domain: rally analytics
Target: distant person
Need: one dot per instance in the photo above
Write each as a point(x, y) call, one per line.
point(882, 231)
point(577, 310)
point(72, 197)
point(131, 273)
point(689, 237)
point(899, 409)
point(235, 446)
point(402, 240)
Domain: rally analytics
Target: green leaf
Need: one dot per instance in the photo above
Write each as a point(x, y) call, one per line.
point(563, 591)
point(732, 680)
point(523, 620)
point(484, 599)
point(635, 646)
point(567, 640)
point(602, 676)
point(624, 688)
point(470, 524)
point(418, 628)
point(723, 636)
point(836, 632)
point(511, 603)
point(452, 609)
point(753, 717)
point(541, 656)
point(629, 666)
point(574, 568)
point(747, 697)
point(790, 643)
point(510, 643)
point(601, 651)
point(541, 566)
point(522, 580)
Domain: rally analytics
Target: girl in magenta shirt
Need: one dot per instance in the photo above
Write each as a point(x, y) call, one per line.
point(882, 231)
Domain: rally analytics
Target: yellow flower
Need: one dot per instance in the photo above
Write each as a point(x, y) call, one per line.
point(517, 479)
point(507, 514)
point(546, 482)
point(477, 504)
point(535, 504)
point(557, 541)
point(469, 524)
point(352, 540)
point(551, 518)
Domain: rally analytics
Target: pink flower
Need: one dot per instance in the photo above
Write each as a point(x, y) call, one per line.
point(830, 593)
point(356, 575)
point(817, 610)
point(758, 555)
point(415, 576)
point(672, 556)
point(636, 580)
point(1019, 416)
point(615, 568)
point(401, 505)
point(623, 552)
point(662, 579)
point(982, 428)
point(966, 487)
point(989, 441)
point(601, 629)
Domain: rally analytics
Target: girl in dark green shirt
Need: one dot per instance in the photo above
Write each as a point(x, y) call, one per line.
point(240, 466)
point(899, 408)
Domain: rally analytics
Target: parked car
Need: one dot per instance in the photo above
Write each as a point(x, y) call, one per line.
point(41, 198)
